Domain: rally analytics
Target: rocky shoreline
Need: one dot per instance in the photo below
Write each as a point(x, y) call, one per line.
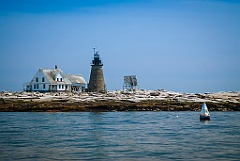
point(159, 100)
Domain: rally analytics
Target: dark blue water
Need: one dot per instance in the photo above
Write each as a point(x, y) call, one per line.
point(119, 136)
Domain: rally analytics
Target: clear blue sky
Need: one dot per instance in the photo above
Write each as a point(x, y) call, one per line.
point(177, 45)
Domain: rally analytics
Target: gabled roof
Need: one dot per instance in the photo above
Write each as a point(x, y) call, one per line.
point(51, 74)
point(76, 79)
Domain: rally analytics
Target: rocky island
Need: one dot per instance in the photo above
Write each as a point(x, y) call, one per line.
point(143, 100)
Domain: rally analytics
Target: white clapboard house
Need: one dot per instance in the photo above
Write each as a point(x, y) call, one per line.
point(54, 80)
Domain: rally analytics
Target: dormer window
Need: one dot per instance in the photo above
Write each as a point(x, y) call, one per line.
point(58, 77)
point(36, 79)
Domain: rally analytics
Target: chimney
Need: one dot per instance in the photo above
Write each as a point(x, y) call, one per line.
point(55, 66)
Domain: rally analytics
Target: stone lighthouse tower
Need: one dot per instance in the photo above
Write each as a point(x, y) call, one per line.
point(96, 82)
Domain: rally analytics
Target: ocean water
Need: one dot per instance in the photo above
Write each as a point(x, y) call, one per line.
point(119, 136)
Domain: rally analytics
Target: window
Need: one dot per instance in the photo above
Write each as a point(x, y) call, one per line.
point(66, 87)
point(34, 86)
point(59, 86)
point(37, 86)
point(57, 79)
point(62, 86)
point(43, 80)
point(61, 79)
point(37, 79)
point(44, 86)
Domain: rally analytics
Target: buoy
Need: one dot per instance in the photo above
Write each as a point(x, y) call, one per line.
point(204, 113)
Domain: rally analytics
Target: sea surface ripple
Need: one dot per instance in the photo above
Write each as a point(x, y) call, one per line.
point(119, 136)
